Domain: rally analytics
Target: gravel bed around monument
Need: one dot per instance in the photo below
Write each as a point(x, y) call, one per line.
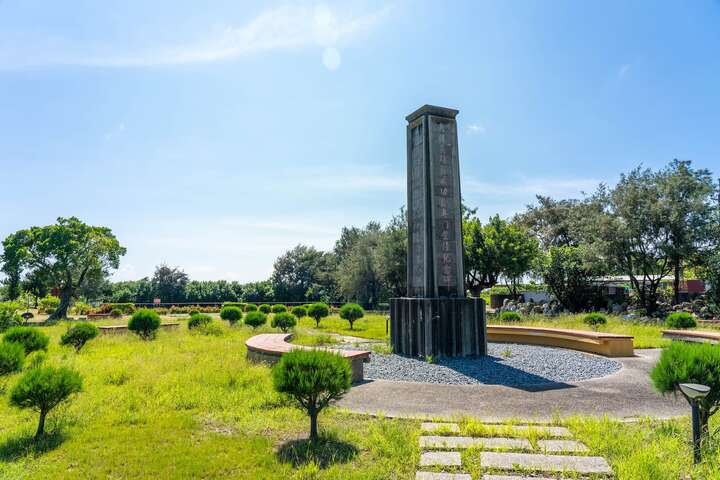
point(506, 364)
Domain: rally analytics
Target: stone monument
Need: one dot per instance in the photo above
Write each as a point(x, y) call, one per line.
point(435, 318)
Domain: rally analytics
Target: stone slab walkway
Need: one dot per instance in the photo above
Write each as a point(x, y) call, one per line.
point(627, 393)
point(517, 457)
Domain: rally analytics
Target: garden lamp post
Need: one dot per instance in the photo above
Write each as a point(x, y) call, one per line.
point(694, 393)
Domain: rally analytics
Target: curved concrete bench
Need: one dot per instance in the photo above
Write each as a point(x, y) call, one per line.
point(692, 335)
point(269, 347)
point(608, 344)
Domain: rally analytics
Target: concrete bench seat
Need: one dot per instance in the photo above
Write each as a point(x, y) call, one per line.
point(692, 335)
point(608, 344)
point(117, 329)
point(269, 347)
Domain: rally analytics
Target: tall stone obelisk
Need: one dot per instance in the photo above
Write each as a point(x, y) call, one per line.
point(435, 318)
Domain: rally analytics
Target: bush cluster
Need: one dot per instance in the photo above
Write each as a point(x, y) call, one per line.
point(265, 308)
point(190, 309)
point(594, 319)
point(145, 323)
point(510, 317)
point(79, 334)
point(12, 357)
point(81, 308)
point(255, 319)
point(680, 320)
point(240, 305)
point(9, 316)
point(231, 314)
point(30, 338)
point(125, 308)
point(251, 307)
point(116, 313)
point(284, 321)
point(199, 320)
point(278, 308)
point(48, 304)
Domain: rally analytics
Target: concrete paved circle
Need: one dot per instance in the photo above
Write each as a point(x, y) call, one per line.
point(627, 393)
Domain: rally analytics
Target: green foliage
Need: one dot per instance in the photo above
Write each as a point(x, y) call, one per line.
point(680, 320)
point(351, 312)
point(690, 363)
point(510, 317)
point(81, 308)
point(299, 311)
point(12, 357)
point(318, 311)
point(79, 334)
point(199, 320)
point(301, 273)
point(124, 308)
point(231, 314)
point(569, 274)
point(255, 319)
point(116, 313)
point(210, 328)
point(239, 305)
point(594, 319)
point(48, 304)
point(30, 338)
point(251, 307)
point(43, 388)
point(169, 283)
point(279, 308)
point(9, 316)
point(312, 378)
point(284, 321)
point(145, 323)
point(265, 308)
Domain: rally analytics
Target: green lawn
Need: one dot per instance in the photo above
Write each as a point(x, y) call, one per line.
point(189, 406)
point(371, 326)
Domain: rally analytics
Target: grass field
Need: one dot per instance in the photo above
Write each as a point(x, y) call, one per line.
point(190, 406)
point(371, 326)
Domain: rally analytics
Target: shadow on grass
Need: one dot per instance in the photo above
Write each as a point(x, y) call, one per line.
point(25, 444)
point(328, 450)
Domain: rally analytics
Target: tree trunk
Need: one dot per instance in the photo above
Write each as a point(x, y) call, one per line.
point(61, 311)
point(41, 425)
point(676, 282)
point(313, 426)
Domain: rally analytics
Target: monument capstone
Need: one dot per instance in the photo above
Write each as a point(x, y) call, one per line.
point(435, 318)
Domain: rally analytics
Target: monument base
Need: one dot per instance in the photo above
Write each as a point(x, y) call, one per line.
point(451, 327)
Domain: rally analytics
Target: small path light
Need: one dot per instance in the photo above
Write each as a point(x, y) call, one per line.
point(694, 393)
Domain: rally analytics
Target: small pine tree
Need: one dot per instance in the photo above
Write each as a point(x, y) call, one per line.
point(12, 357)
point(144, 323)
point(278, 308)
point(79, 334)
point(300, 311)
point(255, 319)
point(351, 312)
point(318, 311)
point(284, 321)
point(30, 338)
point(231, 314)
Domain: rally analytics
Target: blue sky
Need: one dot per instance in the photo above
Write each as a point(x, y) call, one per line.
point(216, 135)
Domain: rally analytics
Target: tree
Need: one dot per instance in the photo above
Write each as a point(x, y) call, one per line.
point(67, 254)
point(553, 222)
point(392, 255)
point(14, 256)
point(31, 338)
point(144, 323)
point(231, 314)
point(299, 311)
point(255, 319)
point(303, 273)
point(351, 312)
point(257, 292)
point(318, 311)
point(313, 379)
point(169, 283)
point(686, 196)
point(569, 277)
point(358, 272)
point(12, 357)
point(43, 388)
point(284, 321)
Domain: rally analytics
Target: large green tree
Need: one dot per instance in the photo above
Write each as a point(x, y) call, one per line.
point(69, 255)
point(169, 283)
point(303, 273)
point(392, 255)
point(359, 274)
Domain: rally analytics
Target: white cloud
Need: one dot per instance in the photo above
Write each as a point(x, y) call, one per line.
point(476, 129)
point(282, 28)
point(624, 70)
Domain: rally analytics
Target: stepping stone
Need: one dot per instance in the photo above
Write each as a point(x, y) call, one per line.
point(441, 476)
point(434, 427)
point(545, 463)
point(440, 458)
point(562, 446)
point(516, 477)
point(551, 431)
point(467, 442)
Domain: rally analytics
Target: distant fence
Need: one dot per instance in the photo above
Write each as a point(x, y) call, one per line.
point(380, 309)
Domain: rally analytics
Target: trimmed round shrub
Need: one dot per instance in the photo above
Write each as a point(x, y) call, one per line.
point(278, 308)
point(680, 320)
point(116, 313)
point(284, 321)
point(255, 319)
point(193, 312)
point(313, 379)
point(79, 334)
point(318, 311)
point(351, 312)
point(251, 307)
point(510, 317)
point(300, 311)
point(43, 388)
point(48, 304)
point(199, 320)
point(30, 338)
point(12, 357)
point(231, 314)
point(265, 308)
point(145, 323)
point(594, 319)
